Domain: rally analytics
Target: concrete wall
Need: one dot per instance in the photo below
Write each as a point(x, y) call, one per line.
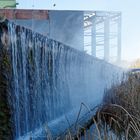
point(63, 26)
point(67, 27)
point(39, 26)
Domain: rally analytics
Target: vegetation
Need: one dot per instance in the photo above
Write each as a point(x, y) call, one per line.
point(5, 115)
point(126, 111)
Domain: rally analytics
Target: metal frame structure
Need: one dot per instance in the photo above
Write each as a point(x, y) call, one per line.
point(102, 35)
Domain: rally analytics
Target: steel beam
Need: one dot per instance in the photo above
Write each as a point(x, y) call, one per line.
point(106, 39)
point(93, 37)
point(105, 33)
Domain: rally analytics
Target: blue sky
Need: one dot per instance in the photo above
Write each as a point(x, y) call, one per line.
point(130, 17)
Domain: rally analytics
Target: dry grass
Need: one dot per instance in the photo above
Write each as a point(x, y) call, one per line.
point(126, 107)
point(127, 94)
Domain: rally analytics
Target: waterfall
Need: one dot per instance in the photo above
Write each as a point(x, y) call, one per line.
point(40, 91)
point(49, 79)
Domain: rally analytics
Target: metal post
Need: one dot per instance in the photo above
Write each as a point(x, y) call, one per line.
point(93, 37)
point(106, 38)
point(119, 40)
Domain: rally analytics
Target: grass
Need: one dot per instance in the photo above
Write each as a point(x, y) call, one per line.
point(126, 106)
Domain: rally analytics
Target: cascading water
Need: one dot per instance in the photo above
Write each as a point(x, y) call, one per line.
point(49, 79)
point(40, 91)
